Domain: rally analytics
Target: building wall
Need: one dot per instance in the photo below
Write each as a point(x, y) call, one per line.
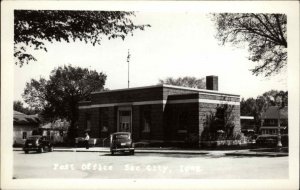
point(206, 110)
point(18, 132)
point(121, 96)
point(165, 105)
point(180, 121)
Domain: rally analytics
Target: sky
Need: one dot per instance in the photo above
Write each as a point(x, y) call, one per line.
point(177, 44)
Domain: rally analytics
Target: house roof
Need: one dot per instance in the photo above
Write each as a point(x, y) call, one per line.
point(23, 119)
point(272, 113)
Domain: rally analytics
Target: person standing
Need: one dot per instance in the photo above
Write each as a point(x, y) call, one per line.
point(86, 140)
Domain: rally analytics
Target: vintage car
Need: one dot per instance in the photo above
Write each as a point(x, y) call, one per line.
point(271, 140)
point(37, 143)
point(121, 142)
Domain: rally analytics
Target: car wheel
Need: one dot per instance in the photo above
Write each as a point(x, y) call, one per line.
point(132, 152)
point(112, 152)
point(41, 150)
point(51, 149)
point(26, 151)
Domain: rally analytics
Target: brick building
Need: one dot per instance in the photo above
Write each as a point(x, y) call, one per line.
point(160, 113)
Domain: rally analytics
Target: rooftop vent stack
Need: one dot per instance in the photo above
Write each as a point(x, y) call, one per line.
point(212, 82)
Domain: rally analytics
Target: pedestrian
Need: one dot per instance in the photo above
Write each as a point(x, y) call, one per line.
point(86, 140)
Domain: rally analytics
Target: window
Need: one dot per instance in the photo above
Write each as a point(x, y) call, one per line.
point(272, 121)
point(103, 119)
point(284, 122)
point(24, 135)
point(146, 119)
point(88, 122)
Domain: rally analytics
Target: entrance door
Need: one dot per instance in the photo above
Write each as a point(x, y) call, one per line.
point(124, 120)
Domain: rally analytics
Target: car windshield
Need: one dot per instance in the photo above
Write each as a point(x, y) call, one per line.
point(121, 136)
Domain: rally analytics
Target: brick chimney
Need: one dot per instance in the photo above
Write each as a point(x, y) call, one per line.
point(212, 82)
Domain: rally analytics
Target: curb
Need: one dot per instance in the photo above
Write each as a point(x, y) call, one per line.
point(136, 151)
point(252, 154)
point(257, 154)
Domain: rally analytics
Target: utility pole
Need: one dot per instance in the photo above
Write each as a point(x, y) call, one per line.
point(128, 60)
point(279, 101)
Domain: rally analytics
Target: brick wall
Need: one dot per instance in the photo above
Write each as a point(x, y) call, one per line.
point(206, 109)
point(128, 95)
point(164, 121)
point(173, 130)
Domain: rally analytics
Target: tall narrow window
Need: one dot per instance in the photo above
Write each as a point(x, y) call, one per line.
point(146, 120)
point(104, 119)
point(24, 135)
point(88, 122)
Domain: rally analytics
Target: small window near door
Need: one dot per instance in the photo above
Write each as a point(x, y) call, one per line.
point(88, 122)
point(104, 119)
point(24, 135)
point(146, 120)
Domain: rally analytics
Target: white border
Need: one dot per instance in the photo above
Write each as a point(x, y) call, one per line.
point(291, 8)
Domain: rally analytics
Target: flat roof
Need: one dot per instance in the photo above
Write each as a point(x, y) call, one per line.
point(170, 86)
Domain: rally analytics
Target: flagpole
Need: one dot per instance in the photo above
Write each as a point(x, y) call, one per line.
point(128, 58)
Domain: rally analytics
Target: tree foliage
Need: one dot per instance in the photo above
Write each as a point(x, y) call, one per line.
point(19, 106)
point(58, 97)
point(219, 124)
point(191, 82)
point(255, 107)
point(33, 27)
point(265, 35)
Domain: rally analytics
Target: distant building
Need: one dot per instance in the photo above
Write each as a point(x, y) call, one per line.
point(270, 121)
point(55, 131)
point(160, 113)
point(23, 126)
point(248, 125)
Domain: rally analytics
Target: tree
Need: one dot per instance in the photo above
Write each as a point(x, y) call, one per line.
point(256, 107)
point(265, 35)
point(19, 106)
point(58, 97)
point(219, 124)
point(34, 27)
point(191, 82)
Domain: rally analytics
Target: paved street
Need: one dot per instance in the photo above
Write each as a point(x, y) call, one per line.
point(146, 165)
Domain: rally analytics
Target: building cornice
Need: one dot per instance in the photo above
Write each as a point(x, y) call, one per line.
point(201, 91)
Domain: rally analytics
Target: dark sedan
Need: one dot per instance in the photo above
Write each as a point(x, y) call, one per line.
point(37, 143)
point(121, 142)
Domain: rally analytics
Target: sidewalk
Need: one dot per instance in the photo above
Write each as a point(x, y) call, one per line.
point(137, 150)
point(254, 153)
point(174, 151)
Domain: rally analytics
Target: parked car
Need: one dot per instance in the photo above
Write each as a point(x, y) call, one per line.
point(37, 143)
point(121, 142)
point(271, 140)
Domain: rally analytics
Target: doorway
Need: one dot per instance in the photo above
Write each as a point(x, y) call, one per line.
point(125, 119)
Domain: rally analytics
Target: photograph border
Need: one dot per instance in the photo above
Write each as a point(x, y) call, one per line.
point(291, 8)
